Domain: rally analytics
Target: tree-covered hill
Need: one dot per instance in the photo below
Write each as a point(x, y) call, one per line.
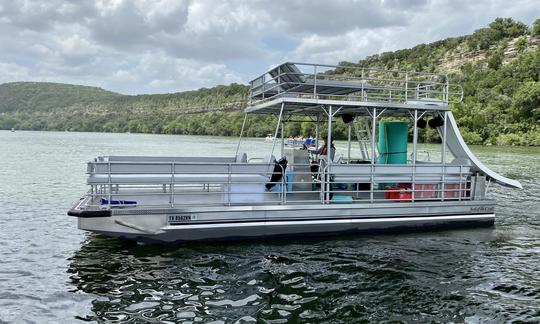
point(499, 70)
point(54, 106)
point(44, 96)
point(498, 67)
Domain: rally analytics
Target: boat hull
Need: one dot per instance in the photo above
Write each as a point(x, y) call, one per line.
point(257, 222)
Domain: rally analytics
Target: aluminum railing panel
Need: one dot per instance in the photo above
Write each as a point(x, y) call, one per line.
point(176, 184)
point(372, 85)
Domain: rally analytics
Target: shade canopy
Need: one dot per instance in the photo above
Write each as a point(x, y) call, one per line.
point(314, 107)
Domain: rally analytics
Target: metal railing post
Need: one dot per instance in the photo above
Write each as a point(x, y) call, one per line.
point(415, 136)
point(282, 138)
point(373, 130)
point(372, 184)
point(329, 151)
point(283, 186)
point(241, 133)
point(315, 82)
point(447, 85)
point(406, 86)
point(363, 80)
point(460, 181)
point(171, 199)
point(279, 79)
point(443, 154)
point(110, 184)
point(229, 184)
point(349, 145)
point(263, 85)
point(277, 128)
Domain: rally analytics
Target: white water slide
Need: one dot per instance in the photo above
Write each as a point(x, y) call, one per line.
point(460, 150)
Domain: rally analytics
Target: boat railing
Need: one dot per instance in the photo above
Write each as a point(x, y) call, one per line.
point(397, 182)
point(169, 184)
point(123, 184)
point(351, 83)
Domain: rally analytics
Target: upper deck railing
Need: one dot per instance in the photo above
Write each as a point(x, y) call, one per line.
point(349, 83)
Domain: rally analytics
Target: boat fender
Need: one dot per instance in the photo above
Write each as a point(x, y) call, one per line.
point(436, 122)
point(277, 173)
point(421, 123)
point(347, 118)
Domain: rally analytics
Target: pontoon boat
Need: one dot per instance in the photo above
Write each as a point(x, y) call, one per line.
point(294, 192)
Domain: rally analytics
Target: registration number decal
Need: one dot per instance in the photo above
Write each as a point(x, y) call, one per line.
point(483, 209)
point(182, 218)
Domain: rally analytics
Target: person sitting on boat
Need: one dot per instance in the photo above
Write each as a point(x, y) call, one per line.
point(323, 150)
point(308, 141)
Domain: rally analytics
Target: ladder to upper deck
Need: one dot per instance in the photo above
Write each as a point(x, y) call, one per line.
point(362, 128)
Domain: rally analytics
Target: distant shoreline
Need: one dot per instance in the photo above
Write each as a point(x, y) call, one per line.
point(236, 137)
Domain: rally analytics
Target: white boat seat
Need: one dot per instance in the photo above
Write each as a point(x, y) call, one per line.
point(168, 159)
point(158, 164)
point(163, 173)
point(96, 179)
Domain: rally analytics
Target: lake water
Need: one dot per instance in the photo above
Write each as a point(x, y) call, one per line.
point(52, 272)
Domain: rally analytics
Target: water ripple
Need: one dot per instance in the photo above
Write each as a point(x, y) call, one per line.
point(51, 272)
point(449, 276)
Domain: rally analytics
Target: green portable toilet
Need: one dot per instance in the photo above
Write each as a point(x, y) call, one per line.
point(392, 144)
point(393, 137)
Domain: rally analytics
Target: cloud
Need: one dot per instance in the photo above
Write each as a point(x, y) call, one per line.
point(148, 46)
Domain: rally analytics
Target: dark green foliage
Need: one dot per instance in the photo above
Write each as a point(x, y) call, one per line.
point(482, 39)
point(504, 101)
point(507, 27)
point(527, 101)
point(521, 43)
point(501, 100)
point(50, 106)
point(43, 96)
point(495, 58)
point(535, 30)
point(499, 29)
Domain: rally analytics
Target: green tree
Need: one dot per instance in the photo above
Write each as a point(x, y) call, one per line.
point(535, 29)
point(495, 59)
point(508, 27)
point(521, 43)
point(527, 100)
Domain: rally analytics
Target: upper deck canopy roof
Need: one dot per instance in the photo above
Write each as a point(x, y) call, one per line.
point(304, 88)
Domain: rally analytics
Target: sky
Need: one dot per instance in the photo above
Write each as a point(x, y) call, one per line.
point(162, 46)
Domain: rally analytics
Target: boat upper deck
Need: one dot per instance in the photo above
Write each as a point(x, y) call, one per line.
point(300, 88)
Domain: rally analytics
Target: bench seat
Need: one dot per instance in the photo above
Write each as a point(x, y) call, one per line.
point(206, 178)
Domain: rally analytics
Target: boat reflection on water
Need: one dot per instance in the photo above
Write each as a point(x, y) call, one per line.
point(449, 275)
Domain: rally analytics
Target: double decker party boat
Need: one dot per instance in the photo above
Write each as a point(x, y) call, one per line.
point(306, 191)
